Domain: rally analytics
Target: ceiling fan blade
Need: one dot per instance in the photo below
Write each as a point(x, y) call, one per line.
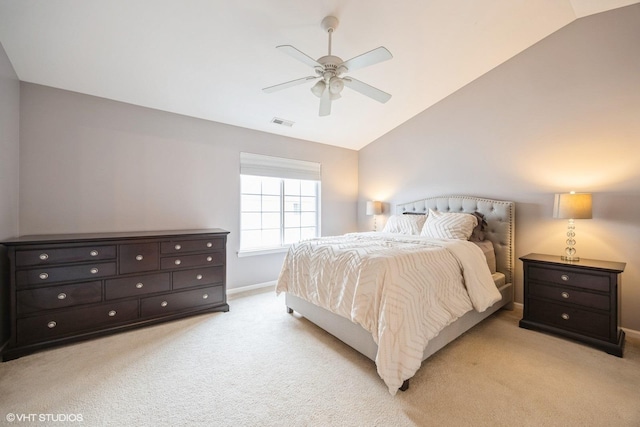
point(325, 103)
point(300, 56)
point(372, 57)
point(286, 85)
point(366, 90)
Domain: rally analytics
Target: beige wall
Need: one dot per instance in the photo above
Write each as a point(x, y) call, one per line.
point(89, 164)
point(9, 166)
point(9, 147)
point(563, 115)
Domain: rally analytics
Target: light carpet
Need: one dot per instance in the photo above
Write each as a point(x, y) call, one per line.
point(259, 366)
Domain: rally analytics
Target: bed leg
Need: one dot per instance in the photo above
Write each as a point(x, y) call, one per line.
point(404, 386)
point(289, 310)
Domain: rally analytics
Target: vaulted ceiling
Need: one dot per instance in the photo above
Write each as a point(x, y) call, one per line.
point(211, 58)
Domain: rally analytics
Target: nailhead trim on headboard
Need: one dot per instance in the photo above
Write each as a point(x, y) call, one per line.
point(499, 214)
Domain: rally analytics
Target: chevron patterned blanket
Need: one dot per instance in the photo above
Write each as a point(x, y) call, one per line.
point(402, 289)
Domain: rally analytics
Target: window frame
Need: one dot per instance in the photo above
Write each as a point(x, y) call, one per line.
point(283, 170)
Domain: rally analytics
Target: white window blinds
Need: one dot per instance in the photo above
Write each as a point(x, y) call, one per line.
point(278, 167)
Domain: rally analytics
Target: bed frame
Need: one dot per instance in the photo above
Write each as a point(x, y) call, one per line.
point(500, 230)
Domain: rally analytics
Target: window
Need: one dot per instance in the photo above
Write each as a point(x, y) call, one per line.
point(280, 201)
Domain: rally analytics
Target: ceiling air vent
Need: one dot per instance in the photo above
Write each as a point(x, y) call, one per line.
point(282, 122)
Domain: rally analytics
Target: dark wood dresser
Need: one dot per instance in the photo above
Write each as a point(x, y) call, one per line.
point(66, 288)
point(577, 300)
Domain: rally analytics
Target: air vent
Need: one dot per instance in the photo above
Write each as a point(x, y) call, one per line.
point(282, 122)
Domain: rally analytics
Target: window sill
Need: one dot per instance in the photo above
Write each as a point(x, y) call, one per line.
point(247, 253)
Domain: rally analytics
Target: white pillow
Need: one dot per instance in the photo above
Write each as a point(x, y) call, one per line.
point(404, 224)
point(449, 225)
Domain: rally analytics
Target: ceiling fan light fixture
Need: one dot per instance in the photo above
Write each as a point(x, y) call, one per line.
point(336, 85)
point(318, 88)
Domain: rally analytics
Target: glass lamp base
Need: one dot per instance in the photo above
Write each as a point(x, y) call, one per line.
point(570, 258)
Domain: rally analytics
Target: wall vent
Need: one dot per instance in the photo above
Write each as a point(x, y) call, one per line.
point(282, 122)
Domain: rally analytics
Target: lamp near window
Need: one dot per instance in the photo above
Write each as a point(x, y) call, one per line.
point(374, 208)
point(572, 206)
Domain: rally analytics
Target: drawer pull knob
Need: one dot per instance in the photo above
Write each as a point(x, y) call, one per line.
point(164, 304)
point(44, 256)
point(565, 295)
point(43, 276)
point(564, 277)
point(565, 316)
point(139, 257)
point(209, 244)
point(112, 313)
point(93, 270)
point(177, 262)
point(51, 324)
point(199, 276)
point(209, 259)
point(205, 296)
point(139, 285)
point(62, 295)
point(93, 253)
point(178, 247)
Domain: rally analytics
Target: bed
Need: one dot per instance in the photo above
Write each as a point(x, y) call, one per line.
point(371, 334)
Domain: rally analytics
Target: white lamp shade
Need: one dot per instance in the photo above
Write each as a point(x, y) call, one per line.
point(374, 208)
point(572, 206)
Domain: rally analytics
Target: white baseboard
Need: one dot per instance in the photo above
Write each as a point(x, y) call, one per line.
point(632, 333)
point(250, 287)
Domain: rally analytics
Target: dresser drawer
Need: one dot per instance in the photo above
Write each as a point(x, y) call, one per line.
point(215, 258)
point(570, 277)
point(138, 257)
point(180, 301)
point(52, 297)
point(569, 318)
point(197, 277)
point(570, 296)
point(50, 256)
point(46, 275)
point(137, 285)
point(200, 245)
point(61, 323)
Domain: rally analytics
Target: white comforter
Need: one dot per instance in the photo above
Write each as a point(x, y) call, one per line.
point(402, 289)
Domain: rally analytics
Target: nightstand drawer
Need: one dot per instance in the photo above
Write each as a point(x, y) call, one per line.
point(570, 277)
point(569, 318)
point(570, 296)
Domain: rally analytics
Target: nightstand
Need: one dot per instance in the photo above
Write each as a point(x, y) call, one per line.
point(577, 300)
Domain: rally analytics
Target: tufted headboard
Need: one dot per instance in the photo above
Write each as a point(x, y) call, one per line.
point(499, 214)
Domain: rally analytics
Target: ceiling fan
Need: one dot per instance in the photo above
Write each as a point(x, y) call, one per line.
point(329, 71)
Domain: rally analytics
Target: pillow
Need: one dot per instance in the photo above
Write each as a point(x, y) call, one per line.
point(404, 224)
point(449, 225)
point(478, 231)
point(489, 254)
